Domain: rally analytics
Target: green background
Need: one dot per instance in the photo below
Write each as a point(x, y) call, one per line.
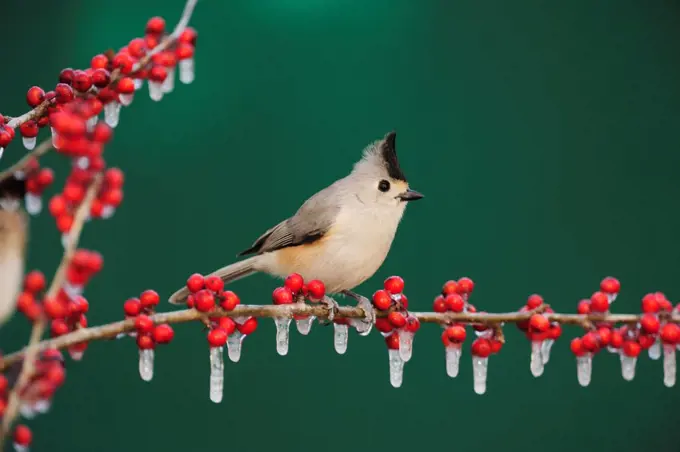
point(543, 134)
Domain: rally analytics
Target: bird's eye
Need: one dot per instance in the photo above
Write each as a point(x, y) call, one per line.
point(384, 185)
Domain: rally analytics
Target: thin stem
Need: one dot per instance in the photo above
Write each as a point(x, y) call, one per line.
point(40, 150)
point(33, 347)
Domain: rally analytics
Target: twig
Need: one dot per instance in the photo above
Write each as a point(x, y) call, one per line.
point(39, 151)
point(111, 330)
point(33, 348)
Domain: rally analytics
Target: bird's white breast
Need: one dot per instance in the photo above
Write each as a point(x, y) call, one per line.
point(11, 275)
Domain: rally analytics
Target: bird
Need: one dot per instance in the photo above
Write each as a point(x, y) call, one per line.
point(341, 235)
point(13, 238)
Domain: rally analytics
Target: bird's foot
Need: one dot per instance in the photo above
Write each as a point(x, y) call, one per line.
point(363, 326)
point(332, 306)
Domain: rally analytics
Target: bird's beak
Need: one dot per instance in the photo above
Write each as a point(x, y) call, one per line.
point(410, 195)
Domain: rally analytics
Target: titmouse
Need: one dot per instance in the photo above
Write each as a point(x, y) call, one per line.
point(341, 235)
point(13, 236)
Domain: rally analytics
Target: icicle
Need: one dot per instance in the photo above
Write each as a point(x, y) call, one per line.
point(82, 162)
point(126, 99)
point(92, 122)
point(234, 343)
point(65, 239)
point(453, 352)
point(76, 355)
point(73, 290)
point(155, 90)
point(108, 211)
point(216, 374)
point(282, 334)
point(340, 335)
point(396, 368)
point(146, 364)
point(405, 344)
point(42, 406)
point(26, 411)
point(33, 203)
point(654, 351)
point(480, 367)
point(669, 366)
point(584, 369)
point(536, 364)
point(628, 366)
point(363, 327)
point(168, 84)
point(545, 350)
point(2, 151)
point(186, 71)
point(139, 83)
point(305, 325)
point(29, 142)
point(55, 143)
point(20, 175)
point(20, 448)
point(112, 113)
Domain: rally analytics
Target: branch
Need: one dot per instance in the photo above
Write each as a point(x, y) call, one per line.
point(40, 150)
point(33, 348)
point(111, 330)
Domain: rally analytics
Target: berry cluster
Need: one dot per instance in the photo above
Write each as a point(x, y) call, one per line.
point(540, 331)
point(37, 180)
point(295, 290)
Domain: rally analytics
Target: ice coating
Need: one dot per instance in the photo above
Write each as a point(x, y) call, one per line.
point(54, 138)
point(146, 364)
point(92, 122)
point(186, 71)
point(340, 335)
point(669, 365)
point(405, 344)
point(536, 360)
point(545, 350)
point(628, 367)
point(453, 353)
point(654, 351)
point(29, 142)
point(155, 90)
point(480, 368)
point(126, 99)
point(33, 203)
point(112, 113)
point(282, 334)
point(216, 374)
point(168, 84)
point(304, 326)
point(396, 368)
point(234, 343)
point(584, 369)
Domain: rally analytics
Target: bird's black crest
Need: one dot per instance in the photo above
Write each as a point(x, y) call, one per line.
point(12, 188)
point(389, 155)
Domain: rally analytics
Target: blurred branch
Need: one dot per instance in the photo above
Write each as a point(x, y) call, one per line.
point(40, 150)
point(111, 330)
point(33, 347)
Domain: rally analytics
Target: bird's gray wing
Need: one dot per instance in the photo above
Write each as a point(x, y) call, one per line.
point(308, 225)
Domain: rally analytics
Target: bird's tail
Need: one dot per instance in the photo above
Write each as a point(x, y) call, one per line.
point(228, 274)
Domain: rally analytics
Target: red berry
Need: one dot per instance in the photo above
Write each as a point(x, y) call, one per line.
point(481, 347)
point(282, 295)
point(125, 86)
point(59, 327)
point(66, 76)
point(465, 285)
point(605, 336)
point(610, 285)
point(189, 36)
point(35, 96)
point(631, 348)
point(316, 290)
point(534, 301)
point(22, 435)
point(6, 136)
point(137, 47)
point(590, 341)
point(599, 302)
point(143, 324)
point(650, 303)
point(34, 282)
point(195, 282)
point(124, 62)
point(496, 346)
point(383, 325)
point(394, 285)
point(294, 282)
point(204, 300)
point(455, 333)
point(449, 287)
point(412, 324)
point(63, 93)
point(54, 308)
point(646, 340)
point(214, 283)
point(229, 300)
point(664, 304)
point(555, 331)
point(145, 342)
point(57, 206)
point(149, 298)
point(616, 340)
point(670, 333)
point(101, 78)
point(583, 307)
point(397, 319)
point(650, 323)
point(82, 81)
point(29, 129)
point(114, 177)
point(45, 177)
point(64, 223)
point(155, 26)
point(99, 62)
point(454, 302)
point(163, 334)
point(539, 323)
point(382, 300)
point(392, 341)
point(577, 347)
point(184, 51)
point(132, 307)
point(158, 74)
point(439, 304)
point(227, 324)
point(248, 327)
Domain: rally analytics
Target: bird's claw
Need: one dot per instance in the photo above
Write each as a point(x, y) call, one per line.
point(363, 326)
point(332, 306)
